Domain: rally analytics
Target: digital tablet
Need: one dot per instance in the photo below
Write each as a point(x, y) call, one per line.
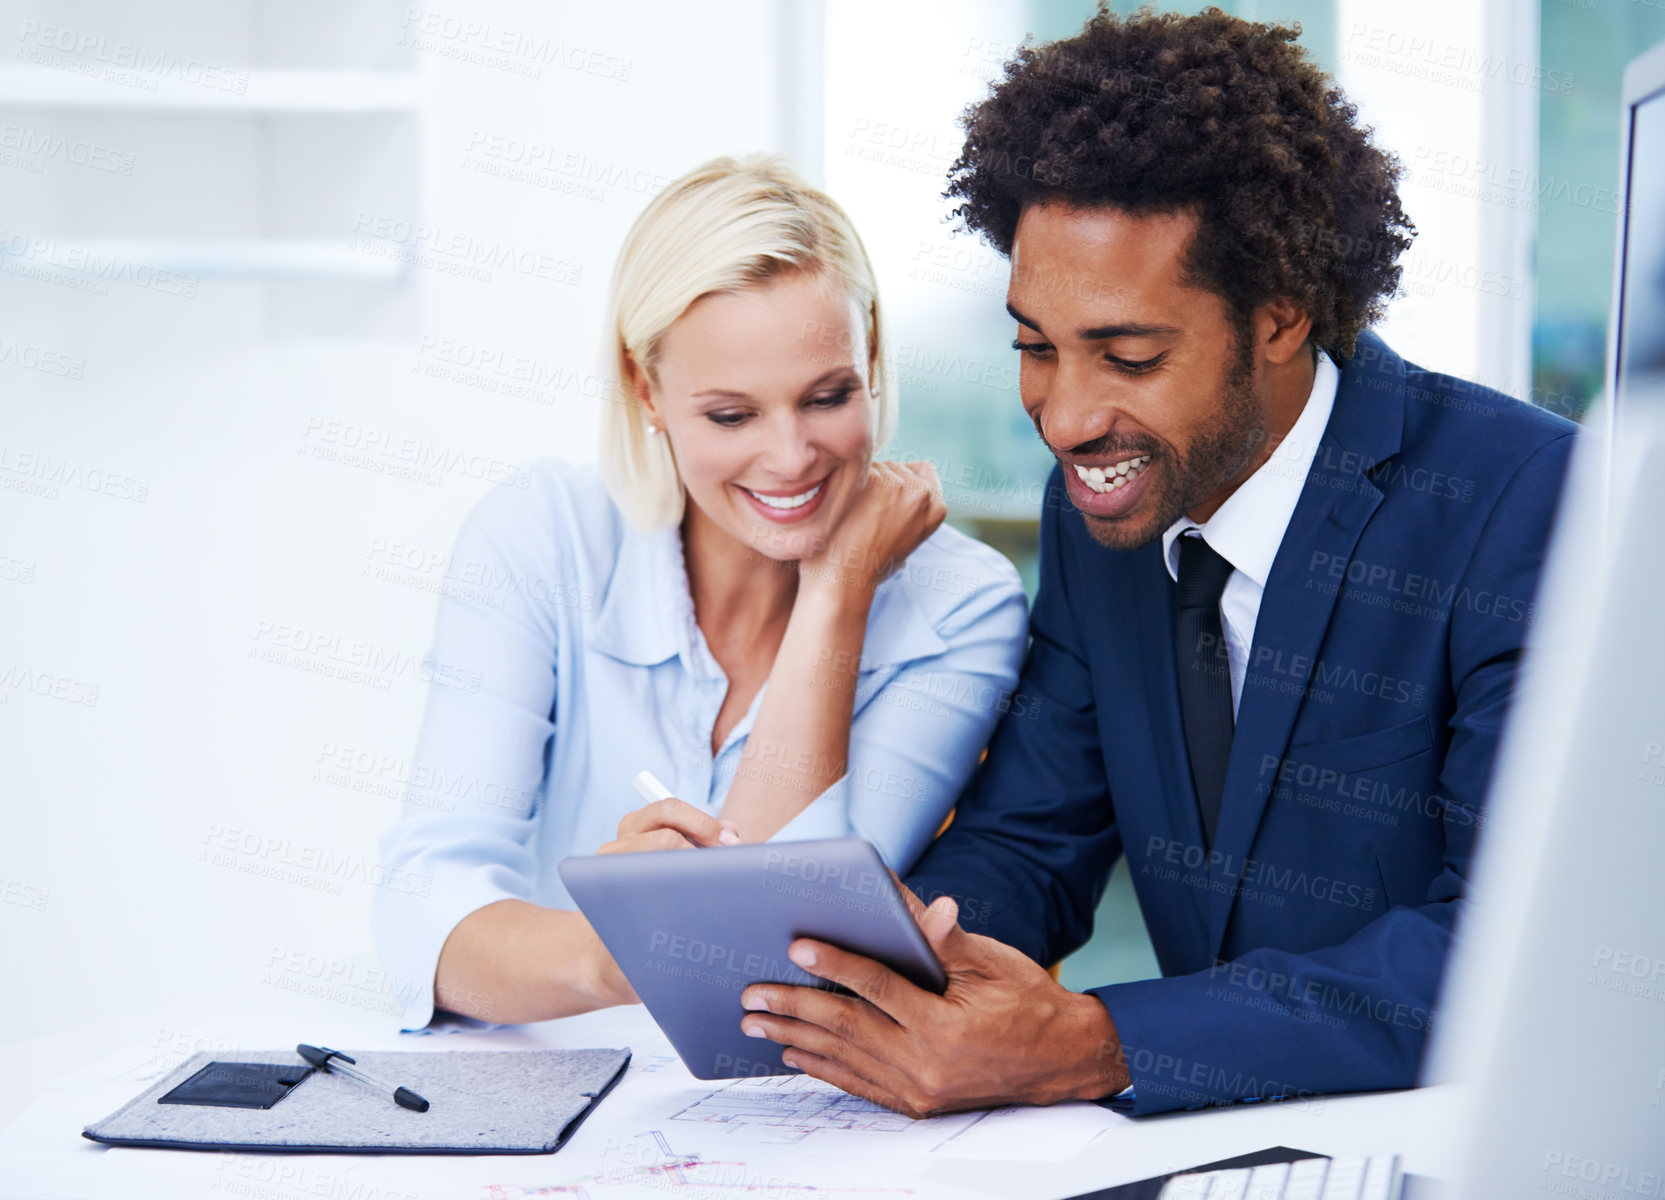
point(691, 929)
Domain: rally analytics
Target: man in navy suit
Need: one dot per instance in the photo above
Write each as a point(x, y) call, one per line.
point(1285, 580)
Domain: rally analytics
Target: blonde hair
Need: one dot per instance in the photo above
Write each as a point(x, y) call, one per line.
point(728, 225)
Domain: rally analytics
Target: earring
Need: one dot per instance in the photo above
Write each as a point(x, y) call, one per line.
point(653, 430)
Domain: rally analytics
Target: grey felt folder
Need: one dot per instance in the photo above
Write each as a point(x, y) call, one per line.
point(480, 1102)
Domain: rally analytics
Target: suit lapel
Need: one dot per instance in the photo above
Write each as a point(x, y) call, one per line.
point(1337, 502)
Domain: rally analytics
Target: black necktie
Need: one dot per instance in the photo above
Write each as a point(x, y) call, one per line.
point(1204, 673)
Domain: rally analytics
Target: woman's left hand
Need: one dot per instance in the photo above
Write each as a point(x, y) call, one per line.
point(900, 504)
point(670, 824)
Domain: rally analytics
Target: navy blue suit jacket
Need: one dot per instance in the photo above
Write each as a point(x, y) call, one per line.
point(1302, 953)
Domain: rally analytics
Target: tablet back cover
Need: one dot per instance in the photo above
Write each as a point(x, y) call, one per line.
point(692, 929)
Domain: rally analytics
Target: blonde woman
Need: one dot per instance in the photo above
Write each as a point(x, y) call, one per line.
point(740, 599)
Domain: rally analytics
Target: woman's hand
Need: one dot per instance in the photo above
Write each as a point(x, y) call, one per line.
point(607, 983)
point(670, 824)
point(900, 505)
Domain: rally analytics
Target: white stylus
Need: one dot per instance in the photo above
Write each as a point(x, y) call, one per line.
point(650, 787)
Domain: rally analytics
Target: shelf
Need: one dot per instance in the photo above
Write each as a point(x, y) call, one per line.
point(252, 258)
point(227, 90)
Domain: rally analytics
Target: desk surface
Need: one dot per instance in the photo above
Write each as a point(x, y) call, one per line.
point(662, 1131)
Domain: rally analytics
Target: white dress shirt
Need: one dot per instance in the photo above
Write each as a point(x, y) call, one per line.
point(566, 658)
point(1248, 528)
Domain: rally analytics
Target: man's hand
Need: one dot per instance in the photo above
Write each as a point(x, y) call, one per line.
point(1004, 1031)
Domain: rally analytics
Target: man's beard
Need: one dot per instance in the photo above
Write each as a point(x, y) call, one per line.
point(1216, 454)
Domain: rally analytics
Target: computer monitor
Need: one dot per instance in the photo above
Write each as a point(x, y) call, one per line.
point(1552, 1022)
point(1636, 335)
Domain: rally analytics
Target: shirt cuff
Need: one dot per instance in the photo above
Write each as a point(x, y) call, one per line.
point(413, 930)
point(826, 816)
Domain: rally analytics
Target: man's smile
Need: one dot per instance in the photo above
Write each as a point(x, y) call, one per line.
point(1107, 488)
point(1108, 478)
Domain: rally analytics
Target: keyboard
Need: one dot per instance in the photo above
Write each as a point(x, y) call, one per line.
point(1374, 1178)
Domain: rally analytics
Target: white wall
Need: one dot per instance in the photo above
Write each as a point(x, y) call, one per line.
point(1452, 89)
point(898, 79)
point(140, 724)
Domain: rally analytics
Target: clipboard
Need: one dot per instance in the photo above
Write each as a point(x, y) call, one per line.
point(480, 1102)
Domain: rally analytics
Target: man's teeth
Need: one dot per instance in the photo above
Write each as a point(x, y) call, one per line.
point(797, 501)
point(1109, 479)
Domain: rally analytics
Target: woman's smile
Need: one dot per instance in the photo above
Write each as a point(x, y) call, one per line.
point(786, 506)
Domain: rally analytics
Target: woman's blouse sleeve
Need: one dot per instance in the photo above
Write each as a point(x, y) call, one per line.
point(478, 769)
point(933, 682)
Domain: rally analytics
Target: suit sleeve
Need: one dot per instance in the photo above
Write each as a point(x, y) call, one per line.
point(1358, 1015)
point(1033, 838)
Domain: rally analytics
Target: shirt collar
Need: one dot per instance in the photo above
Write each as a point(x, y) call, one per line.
point(647, 615)
point(1248, 528)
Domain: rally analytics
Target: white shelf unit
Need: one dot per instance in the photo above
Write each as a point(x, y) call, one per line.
point(253, 91)
point(222, 258)
point(249, 173)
